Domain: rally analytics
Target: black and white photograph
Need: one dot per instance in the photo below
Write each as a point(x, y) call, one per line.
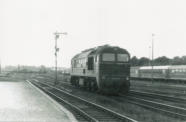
point(92, 61)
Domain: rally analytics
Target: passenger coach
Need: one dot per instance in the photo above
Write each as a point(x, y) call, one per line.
point(164, 72)
point(105, 69)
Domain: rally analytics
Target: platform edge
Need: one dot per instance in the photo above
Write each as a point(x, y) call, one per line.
point(68, 113)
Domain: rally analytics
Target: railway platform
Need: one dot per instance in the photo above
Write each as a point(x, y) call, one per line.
point(22, 102)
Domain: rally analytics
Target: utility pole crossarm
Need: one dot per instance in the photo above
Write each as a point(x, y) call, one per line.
point(58, 33)
point(152, 62)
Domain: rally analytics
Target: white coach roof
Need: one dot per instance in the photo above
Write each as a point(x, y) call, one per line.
point(164, 67)
point(155, 67)
point(178, 67)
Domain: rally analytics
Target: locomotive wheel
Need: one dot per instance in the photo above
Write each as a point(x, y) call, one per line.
point(126, 89)
point(77, 82)
point(85, 84)
point(95, 87)
point(72, 81)
point(92, 86)
point(89, 86)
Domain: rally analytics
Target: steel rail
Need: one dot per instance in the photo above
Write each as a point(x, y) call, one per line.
point(95, 106)
point(90, 118)
point(159, 96)
point(175, 93)
point(177, 112)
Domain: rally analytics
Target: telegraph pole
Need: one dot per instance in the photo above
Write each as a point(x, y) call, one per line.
point(56, 34)
point(0, 66)
point(152, 62)
point(149, 55)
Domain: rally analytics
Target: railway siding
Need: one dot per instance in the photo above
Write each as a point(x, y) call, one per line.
point(175, 111)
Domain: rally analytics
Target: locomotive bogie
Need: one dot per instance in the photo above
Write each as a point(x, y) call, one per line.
point(86, 82)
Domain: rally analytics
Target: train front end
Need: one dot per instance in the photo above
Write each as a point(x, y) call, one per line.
point(114, 71)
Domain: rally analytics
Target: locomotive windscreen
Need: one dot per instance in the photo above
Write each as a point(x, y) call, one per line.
point(122, 57)
point(112, 57)
point(108, 57)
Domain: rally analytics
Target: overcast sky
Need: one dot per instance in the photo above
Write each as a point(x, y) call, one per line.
point(27, 27)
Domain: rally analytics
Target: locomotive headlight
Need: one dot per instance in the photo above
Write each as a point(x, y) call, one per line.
point(127, 78)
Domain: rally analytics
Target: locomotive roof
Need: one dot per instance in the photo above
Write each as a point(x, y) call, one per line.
point(108, 48)
point(98, 50)
point(82, 54)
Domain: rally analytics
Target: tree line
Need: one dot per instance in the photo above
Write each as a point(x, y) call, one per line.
point(160, 61)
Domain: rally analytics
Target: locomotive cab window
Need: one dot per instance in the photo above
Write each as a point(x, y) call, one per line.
point(90, 63)
point(108, 57)
point(122, 57)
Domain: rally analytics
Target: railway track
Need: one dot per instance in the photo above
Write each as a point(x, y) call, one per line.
point(154, 86)
point(158, 96)
point(165, 93)
point(152, 95)
point(83, 110)
point(174, 111)
point(140, 99)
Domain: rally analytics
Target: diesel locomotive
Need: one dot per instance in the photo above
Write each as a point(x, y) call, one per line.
point(105, 69)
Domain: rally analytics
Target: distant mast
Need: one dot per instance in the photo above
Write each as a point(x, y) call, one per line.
point(0, 66)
